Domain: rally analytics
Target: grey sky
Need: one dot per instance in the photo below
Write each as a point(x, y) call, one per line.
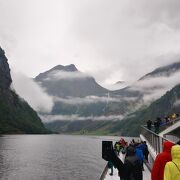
point(110, 39)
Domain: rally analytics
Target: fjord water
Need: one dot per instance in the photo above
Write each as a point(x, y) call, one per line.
point(51, 157)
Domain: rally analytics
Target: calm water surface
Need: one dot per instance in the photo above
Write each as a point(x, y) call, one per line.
point(51, 157)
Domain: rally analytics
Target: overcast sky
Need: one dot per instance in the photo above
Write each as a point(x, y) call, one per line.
point(111, 39)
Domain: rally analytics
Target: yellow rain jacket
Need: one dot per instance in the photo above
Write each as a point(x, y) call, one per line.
point(174, 116)
point(172, 168)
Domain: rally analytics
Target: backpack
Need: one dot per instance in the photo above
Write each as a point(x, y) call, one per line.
point(134, 172)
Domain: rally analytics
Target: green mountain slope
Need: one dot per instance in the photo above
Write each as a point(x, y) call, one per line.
point(129, 126)
point(162, 107)
point(16, 116)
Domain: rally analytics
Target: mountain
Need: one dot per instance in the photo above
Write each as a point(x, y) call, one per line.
point(5, 77)
point(16, 116)
point(131, 124)
point(69, 68)
point(164, 71)
point(67, 81)
point(130, 105)
point(120, 82)
point(76, 93)
point(136, 89)
point(117, 85)
point(166, 105)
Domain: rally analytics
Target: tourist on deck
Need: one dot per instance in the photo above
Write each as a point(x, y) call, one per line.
point(143, 147)
point(122, 142)
point(172, 168)
point(160, 161)
point(110, 166)
point(139, 154)
point(117, 147)
point(134, 143)
point(167, 119)
point(159, 121)
point(132, 165)
point(146, 152)
point(173, 116)
point(149, 124)
point(163, 122)
point(156, 126)
point(117, 163)
point(124, 145)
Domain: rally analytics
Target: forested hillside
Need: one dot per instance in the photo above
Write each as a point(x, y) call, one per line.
point(166, 105)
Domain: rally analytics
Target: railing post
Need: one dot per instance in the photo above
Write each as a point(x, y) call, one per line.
point(154, 139)
point(158, 144)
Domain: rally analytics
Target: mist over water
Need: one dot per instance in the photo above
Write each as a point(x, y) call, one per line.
point(51, 157)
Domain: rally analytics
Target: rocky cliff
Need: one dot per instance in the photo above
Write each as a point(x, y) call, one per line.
point(5, 77)
point(16, 116)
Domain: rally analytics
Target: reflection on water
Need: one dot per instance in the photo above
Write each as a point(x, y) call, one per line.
point(51, 157)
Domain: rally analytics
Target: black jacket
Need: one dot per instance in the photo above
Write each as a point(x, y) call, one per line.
point(132, 168)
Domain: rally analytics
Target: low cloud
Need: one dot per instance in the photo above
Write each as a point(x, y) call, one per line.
point(177, 103)
point(31, 92)
point(116, 86)
point(75, 117)
point(92, 99)
point(154, 88)
point(86, 100)
point(58, 75)
point(123, 38)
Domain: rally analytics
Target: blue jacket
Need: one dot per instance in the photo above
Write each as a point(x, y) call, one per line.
point(139, 154)
point(142, 147)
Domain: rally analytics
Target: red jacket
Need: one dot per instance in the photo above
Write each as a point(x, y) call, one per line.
point(160, 161)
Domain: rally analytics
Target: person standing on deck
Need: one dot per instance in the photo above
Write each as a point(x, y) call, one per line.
point(132, 166)
point(160, 161)
point(156, 126)
point(140, 155)
point(149, 124)
point(144, 148)
point(110, 166)
point(146, 151)
point(172, 168)
point(117, 147)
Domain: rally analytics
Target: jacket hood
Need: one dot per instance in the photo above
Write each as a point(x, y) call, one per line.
point(175, 152)
point(131, 151)
point(167, 146)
